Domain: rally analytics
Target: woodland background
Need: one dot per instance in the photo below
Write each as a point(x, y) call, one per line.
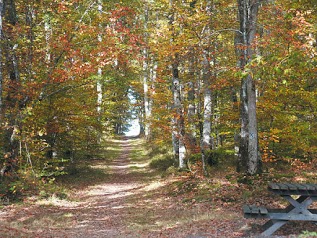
point(70, 69)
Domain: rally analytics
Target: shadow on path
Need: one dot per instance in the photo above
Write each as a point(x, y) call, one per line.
point(129, 202)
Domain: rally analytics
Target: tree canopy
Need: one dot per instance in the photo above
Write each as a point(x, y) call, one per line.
point(68, 71)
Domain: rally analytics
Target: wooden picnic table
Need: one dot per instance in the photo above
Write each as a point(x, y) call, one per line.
point(297, 210)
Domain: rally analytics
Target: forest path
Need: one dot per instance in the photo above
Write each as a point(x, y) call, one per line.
point(126, 200)
point(107, 207)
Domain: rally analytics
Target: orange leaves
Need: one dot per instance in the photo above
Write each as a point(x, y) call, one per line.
point(62, 7)
point(267, 141)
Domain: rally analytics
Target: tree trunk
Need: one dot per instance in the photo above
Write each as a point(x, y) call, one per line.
point(151, 89)
point(206, 136)
point(147, 79)
point(179, 124)
point(207, 112)
point(249, 160)
point(178, 130)
point(12, 107)
point(99, 83)
point(206, 139)
point(235, 109)
point(48, 35)
point(147, 111)
point(191, 96)
point(29, 22)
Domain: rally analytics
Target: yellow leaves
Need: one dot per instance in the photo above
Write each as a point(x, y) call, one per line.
point(41, 132)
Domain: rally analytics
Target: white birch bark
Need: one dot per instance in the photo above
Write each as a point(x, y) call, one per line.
point(150, 86)
point(146, 83)
point(175, 139)
point(48, 34)
point(99, 92)
point(205, 143)
point(99, 82)
point(206, 137)
point(145, 91)
point(207, 113)
point(175, 135)
point(147, 104)
point(249, 159)
point(179, 128)
point(176, 102)
point(191, 111)
point(182, 154)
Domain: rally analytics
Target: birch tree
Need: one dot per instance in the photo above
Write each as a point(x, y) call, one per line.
point(146, 79)
point(207, 110)
point(206, 139)
point(99, 83)
point(249, 159)
point(178, 131)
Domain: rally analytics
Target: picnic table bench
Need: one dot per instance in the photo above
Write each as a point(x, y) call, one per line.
point(297, 210)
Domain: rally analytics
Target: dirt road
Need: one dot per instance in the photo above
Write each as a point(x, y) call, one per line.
point(130, 201)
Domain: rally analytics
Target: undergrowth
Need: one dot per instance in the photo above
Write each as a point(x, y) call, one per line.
point(161, 158)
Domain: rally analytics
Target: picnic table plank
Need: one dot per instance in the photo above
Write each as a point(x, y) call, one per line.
point(263, 210)
point(293, 188)
point(254, 209)
point(301, 187)
point(310, 187)
point(290, 186)
point(246, 209)
point(297, 210)
point(293, 217)
point(311, 190)
point(274, 186)
point(283, 186)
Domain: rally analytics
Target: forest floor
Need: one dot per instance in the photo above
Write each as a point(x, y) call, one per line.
point(120, 196)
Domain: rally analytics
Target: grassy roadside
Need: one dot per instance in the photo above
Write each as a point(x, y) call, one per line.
point(140, 160)
point(83, 173)
point(47, 207)
point(93, 170)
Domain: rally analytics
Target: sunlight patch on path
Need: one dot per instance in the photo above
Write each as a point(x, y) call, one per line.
point(127, 166)
point(114, 190)
point(119, 166)
point(153, 186)
point(54, 201)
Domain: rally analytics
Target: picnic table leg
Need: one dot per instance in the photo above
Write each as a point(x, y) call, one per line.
point(272, 226)
point(298, 206)
point(290, 207)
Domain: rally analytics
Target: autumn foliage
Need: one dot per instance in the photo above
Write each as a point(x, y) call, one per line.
point(55, 53)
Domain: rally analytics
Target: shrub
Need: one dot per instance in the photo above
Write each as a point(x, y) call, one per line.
point(308, 234)
point(162, 162)
point(11, 190)
point(213, 157)
point(193, 158)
